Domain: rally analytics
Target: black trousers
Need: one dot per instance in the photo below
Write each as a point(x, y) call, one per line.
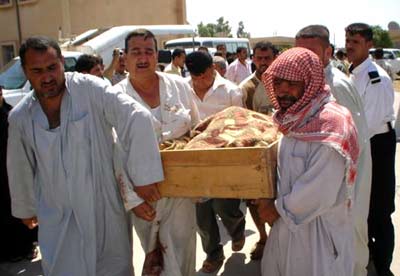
point(232, 218)
point(380, 226)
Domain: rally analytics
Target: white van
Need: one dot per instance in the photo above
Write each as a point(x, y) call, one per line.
point(210, 42)
point(104, 43)
point(392, 56)
point(15, 84)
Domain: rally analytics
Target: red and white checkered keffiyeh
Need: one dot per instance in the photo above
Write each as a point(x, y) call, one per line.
point(315, 117)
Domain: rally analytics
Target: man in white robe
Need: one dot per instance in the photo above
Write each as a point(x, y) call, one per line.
point(311, 221)
point(316, 39)
point(168, 236)
point(60, 164)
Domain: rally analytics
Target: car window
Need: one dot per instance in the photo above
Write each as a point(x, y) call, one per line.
point(69, 64)
point(12, 76)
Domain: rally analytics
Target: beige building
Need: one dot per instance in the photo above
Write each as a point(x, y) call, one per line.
point(20, 19)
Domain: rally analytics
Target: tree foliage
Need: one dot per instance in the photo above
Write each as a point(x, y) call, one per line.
point(240, 31)
point(381, 38)
point(220, 29)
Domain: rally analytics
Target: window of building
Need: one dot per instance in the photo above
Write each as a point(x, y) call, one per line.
point(26, 1)
point(5, 3)
point(7, 52)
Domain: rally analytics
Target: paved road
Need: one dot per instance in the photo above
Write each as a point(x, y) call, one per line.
point(236, 264)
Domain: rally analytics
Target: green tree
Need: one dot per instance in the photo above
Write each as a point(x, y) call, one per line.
point(221, 29)
point(381, 37)
point(240, 31)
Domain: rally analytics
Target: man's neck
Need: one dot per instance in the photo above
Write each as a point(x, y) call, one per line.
point(202, 92)
point(148, 88)
point(356, 63)
point(52, 108)
point(242, 61)
point(175, 64)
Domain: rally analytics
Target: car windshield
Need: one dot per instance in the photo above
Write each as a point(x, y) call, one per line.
point(12, 76)
point(397, 53)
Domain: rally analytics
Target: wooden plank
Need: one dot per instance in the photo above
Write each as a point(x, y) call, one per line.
point(220, 173)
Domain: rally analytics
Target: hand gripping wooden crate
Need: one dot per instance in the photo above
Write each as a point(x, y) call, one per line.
point(220, 173)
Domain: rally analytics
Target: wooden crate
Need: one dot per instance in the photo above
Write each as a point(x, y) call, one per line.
point(220, 173)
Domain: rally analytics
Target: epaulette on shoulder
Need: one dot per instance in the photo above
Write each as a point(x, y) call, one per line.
point(374, 77)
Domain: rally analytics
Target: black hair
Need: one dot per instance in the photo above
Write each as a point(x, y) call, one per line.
point(240, 49)
point(178, 52)
point(219, 45)
point(340, 54)
point(378, 53)
point(86, 62)
point(362, 29)
point(198, 62)
point(38, 43)
point(140, 33)
point(315, 31)
point(265, 46)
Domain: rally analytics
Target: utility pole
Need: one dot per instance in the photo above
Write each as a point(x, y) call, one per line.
point(18, 23)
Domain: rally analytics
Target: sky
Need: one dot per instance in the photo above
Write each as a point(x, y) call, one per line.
point(263, 18)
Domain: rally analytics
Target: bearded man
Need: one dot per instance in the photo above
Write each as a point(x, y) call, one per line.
point(311, 221)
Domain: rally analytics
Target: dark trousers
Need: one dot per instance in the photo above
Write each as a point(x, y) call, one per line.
point(232, 218)
point(380, 226)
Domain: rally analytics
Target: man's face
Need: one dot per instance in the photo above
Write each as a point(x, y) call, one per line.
point(221, 69)
point(204, 80)
point(287, 92)
point(222, 49)
point(263, 59)
point(45, 72)
point(121, 64)
point(141, 56)
point(180, 60)
point(97, 70)
point(242, 56)
point(357, 48)
point(317, 46)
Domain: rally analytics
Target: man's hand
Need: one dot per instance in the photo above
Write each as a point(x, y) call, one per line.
point(30, 222)
point(149, 193)
point(144, 211)
point(267, 210)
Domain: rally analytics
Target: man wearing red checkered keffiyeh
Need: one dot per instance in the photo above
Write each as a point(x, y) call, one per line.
point(312, 227)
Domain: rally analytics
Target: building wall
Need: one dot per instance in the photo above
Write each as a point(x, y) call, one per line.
point(72, 17)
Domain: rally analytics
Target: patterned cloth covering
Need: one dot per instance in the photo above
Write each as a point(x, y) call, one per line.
point(234, 127)
point(315, 117)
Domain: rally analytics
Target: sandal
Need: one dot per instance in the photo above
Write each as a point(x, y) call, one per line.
point(258, 250)
point(211, 266)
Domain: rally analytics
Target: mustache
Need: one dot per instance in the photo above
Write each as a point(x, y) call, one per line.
point(286, 98)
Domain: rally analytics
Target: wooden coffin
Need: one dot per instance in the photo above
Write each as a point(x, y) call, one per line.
point(220, 173)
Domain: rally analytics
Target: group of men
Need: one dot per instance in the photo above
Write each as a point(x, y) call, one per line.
point(83, 159)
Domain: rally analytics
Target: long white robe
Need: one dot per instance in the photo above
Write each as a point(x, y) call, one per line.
point(313, 236)
point(175, 220)
point(346, 95)
point(65, 176)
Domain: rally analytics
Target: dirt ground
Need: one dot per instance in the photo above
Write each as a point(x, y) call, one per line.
point(396, 85)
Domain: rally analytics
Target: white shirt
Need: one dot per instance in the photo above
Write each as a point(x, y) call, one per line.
point(346, 95)
point(65, 177)
point(221, 95)
point(313, 235)
point(377, 95)
point(174, 117)
point(238, 71)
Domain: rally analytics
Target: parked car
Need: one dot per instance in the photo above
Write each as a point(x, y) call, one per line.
point(391, 55)
point(15, 84)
